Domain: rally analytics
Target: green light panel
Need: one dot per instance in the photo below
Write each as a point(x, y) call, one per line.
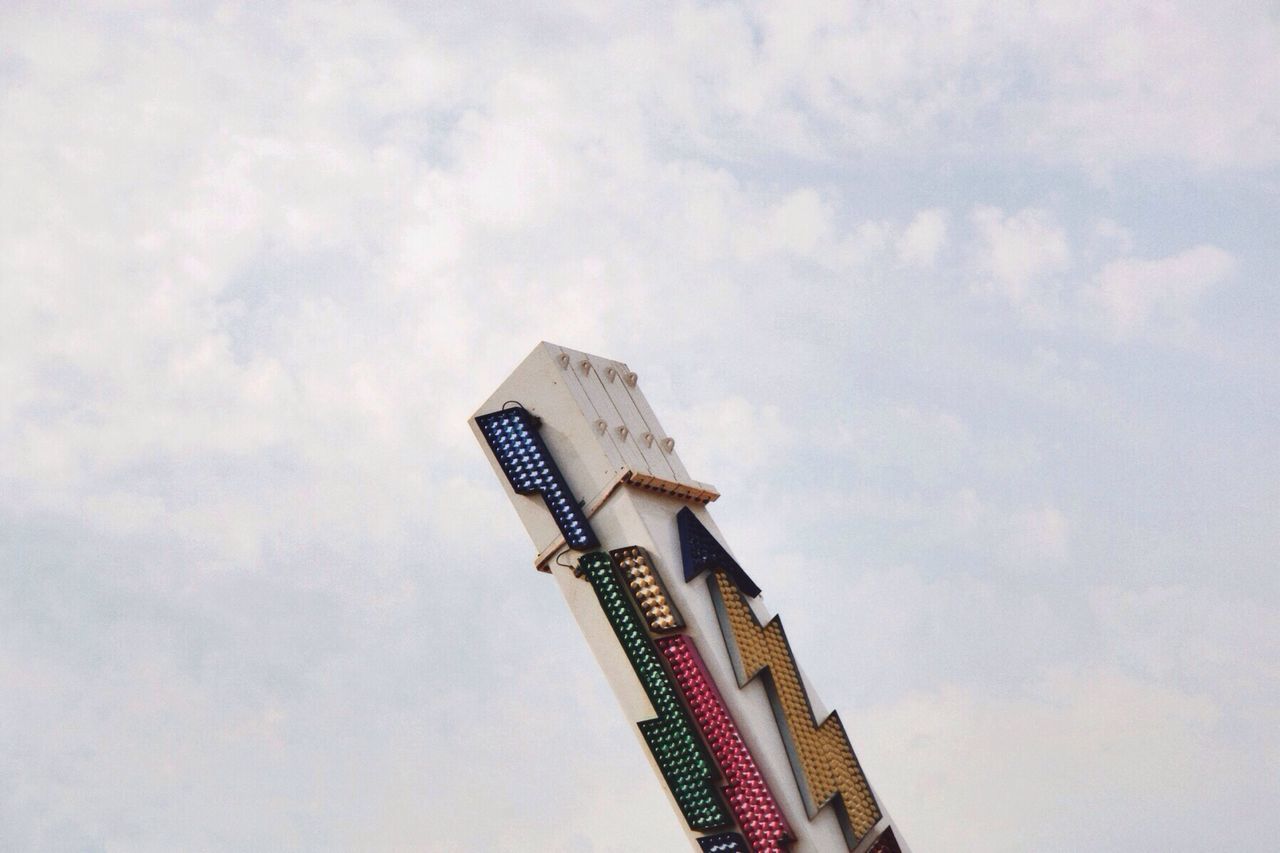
point(671, 736)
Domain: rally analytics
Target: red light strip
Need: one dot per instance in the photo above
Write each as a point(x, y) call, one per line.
point(750, 800)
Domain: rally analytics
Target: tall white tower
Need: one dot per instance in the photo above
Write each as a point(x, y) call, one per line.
point(748, 756)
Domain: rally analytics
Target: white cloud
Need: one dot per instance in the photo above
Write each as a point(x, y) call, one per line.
point(1114, 235)
point(1019, 256)
point(1135, 298)
point(798, 222)
point(1195, 635)
point(1096, 86)
point(733, 435)
point(896, 435)
point(1026, 259)
point(1157, 81)
point(921, 241)
point(1119, 747)
point(1039, 535)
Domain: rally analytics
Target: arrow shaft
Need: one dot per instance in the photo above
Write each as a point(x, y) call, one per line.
point(822, 758)
point(671, 737)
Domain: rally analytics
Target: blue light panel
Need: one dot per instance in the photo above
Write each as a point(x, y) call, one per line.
point(513, 437)
point(725, 842)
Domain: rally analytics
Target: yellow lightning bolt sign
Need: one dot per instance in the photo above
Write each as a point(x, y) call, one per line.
point(825, 767)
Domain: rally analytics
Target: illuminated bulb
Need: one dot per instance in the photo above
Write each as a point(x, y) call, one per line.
point(646, 588)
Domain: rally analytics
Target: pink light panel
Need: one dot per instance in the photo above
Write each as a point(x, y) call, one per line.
point(750, 800)
point(886, 843)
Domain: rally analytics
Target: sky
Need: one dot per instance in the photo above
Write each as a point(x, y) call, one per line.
point(969, 310)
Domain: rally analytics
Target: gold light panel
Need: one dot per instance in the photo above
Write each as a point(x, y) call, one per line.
point(821, 757)
point(646, 588)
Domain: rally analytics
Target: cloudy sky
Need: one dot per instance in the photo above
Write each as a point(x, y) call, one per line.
point(970, 311)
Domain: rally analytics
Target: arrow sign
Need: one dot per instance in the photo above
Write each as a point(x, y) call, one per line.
point(701, 551)
point(826, 769)
point(512, 435)
point(671, 736)
point(746, 791)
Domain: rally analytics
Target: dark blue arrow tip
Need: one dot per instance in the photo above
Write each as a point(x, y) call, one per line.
point(701, 551)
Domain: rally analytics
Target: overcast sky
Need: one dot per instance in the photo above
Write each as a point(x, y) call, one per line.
point(969, 310)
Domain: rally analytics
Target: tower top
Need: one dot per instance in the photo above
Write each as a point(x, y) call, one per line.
point(599, 424)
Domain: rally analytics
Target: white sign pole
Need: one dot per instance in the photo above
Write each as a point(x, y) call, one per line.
point(747, 755)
